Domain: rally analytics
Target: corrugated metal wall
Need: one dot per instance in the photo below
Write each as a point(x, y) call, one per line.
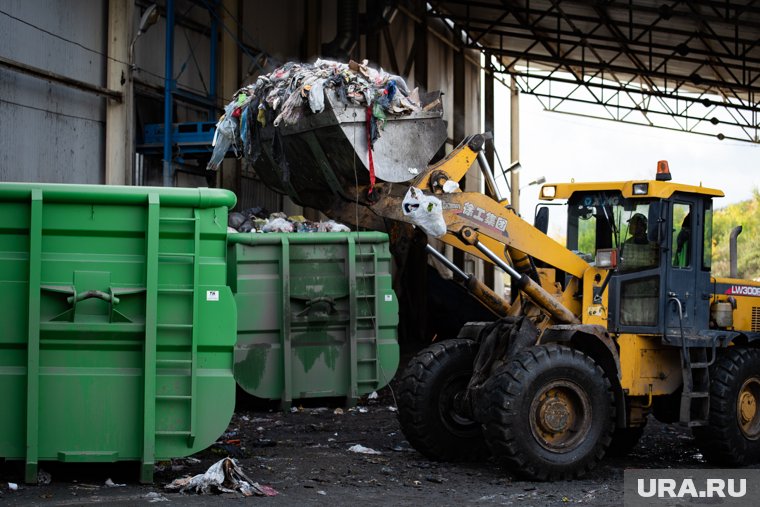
point(49, 132)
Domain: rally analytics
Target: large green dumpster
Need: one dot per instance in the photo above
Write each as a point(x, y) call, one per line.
point(317, 315)
point(119, 327)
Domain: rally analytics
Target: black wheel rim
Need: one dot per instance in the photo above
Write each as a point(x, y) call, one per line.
point(560, 416)
point(450, 406)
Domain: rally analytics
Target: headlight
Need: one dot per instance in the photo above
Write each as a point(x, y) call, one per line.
point(606, 258)
point(640, 188)
point(548, 191)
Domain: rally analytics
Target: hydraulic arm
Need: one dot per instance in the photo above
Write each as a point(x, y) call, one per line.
point(482, 226)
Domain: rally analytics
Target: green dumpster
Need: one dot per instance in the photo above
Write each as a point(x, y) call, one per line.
point(317, 315)
point(119, 326)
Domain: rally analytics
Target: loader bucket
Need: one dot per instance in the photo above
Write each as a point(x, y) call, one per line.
point(325, 155)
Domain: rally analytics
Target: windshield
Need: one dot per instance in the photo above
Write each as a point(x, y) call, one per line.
point(603, 220)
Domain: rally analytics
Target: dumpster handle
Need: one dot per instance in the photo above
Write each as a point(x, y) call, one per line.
point(323, 299)
point(93, 294)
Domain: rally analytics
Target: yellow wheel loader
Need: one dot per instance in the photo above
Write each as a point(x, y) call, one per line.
point(622, 321)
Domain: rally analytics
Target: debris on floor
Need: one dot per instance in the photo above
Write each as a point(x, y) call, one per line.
point(43, 478)
point(363, 450)
point(224, 476)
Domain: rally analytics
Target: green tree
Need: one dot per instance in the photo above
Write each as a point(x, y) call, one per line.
point(746, 214)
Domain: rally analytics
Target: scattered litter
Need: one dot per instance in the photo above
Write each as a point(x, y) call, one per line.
point(402, 446)
point(192, 461)
point(264, 442)
point(154, 497)
point(393, 409)
point(362, 410)
point(372, 395)
point(362, 450)
point(425, 211)
point(338, 411)
point(321, 492)
point(450, 186)
point(111, 484)
point(260, 428)
point(43, 478)
point(224, 476)
point(13, 486)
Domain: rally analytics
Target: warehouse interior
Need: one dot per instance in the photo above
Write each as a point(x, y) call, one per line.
point(128, 93)
point(437, 342)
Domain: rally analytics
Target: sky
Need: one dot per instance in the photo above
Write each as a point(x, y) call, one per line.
point(561, 147)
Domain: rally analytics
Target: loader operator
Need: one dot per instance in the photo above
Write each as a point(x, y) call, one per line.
point(637, 251)
point(637, 228)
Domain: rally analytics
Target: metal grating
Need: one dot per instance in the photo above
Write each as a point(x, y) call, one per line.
point(756, 318)
point(689, 66)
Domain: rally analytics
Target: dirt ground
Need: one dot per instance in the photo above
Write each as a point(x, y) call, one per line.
point(304, 455)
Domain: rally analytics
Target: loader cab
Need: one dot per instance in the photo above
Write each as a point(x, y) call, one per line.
point(655, 239)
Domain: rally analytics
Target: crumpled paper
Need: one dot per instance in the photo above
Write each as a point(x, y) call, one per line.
point(224, 476)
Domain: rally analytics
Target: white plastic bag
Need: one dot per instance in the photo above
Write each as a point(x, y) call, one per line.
point(425, 211)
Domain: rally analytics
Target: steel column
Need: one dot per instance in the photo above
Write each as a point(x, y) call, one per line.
point(168, 94)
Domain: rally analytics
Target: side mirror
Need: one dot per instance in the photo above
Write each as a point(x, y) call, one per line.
point(541, 222)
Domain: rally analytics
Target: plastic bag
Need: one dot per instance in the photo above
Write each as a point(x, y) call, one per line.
point(278, 225)
point(224, 137)
point(425, 211)
point(317, 96)
point(332, 226)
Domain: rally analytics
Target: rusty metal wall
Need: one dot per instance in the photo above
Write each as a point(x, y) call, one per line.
point(49, 132)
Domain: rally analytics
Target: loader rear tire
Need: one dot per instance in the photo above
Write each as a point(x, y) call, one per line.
point(624, 440)
point(732, 435)
point(551, 414)
point(430, 403)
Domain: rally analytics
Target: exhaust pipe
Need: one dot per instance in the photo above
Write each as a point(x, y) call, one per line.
point(732, 257)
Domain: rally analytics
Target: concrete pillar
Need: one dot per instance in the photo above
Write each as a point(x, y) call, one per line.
point(421, 45)
point(459, 128)
point(514, 145)
point(229, 60)
point(488, 92)
point(119, 151)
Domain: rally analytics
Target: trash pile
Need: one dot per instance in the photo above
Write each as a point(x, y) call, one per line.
point(281, 98)
point(260, 220)
point(224, 476)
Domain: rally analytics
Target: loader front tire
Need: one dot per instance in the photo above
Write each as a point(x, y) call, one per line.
point(551, 414)
point(732, 435)
point(430, 403)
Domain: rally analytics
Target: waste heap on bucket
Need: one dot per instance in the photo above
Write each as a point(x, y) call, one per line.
point(305, 129)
